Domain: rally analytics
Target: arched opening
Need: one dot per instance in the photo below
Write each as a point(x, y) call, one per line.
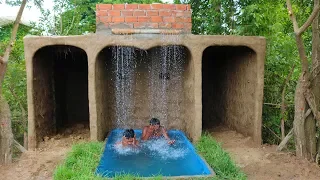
point(60, 89)
point(128, 96)
point(229, 80)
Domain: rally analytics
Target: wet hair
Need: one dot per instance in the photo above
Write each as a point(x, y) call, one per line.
point(128, 133)
point(154, 121)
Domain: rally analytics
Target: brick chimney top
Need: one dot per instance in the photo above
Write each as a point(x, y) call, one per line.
point(143, 16)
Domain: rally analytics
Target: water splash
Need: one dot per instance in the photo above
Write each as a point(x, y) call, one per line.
point(155, 148)
point(124, 64)
point(126, 150)
point(160, 148)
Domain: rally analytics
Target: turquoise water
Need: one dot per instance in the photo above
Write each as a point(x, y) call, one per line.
point(154, 157)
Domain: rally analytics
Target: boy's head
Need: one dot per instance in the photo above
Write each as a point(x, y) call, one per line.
point(128, 136)
point(155, 123)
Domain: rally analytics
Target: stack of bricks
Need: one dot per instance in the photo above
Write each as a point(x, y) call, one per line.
point(145, 16)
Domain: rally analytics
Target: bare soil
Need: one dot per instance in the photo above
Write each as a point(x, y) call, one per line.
point(264, 162)
point(258, 163)
point(41, 163)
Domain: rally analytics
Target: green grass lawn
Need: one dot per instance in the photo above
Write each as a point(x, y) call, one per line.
point(83, 159)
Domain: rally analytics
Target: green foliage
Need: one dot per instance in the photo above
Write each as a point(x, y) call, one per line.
point(74, 17)
point(68, 18)
point(270, 19)
point(82, 161)
point(14, 85)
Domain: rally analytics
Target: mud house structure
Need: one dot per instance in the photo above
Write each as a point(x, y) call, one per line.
point(69, 81)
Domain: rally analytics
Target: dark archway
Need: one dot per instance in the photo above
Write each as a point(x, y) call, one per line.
point(228, 87)
point(60, 89)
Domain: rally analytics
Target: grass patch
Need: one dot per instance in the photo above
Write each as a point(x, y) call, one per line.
point(218, 159)
point(81, 162)
point(83, 159)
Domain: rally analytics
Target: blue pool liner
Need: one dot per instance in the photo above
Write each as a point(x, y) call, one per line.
point(179, 159)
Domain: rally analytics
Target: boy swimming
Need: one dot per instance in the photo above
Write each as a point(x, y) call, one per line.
point(128, 139)
point(154, 130)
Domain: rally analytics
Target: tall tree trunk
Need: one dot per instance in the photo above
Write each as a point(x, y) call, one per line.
point(6, 136)
point(315, 83)
point(299, 119)
point(310, 122)
point(304, 127)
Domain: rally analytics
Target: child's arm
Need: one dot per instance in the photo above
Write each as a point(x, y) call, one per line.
point(165, 134)
point(144, 134)
point(118, 143)
point(147, 133)
point(136, 142)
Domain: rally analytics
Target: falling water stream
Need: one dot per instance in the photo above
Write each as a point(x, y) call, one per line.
point(124, 71)
point(165, 81)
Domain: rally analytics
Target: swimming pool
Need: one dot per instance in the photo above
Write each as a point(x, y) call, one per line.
point(154, 158)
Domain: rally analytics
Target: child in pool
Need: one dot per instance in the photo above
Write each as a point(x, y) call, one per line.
point(154, 130)
point(128, 139)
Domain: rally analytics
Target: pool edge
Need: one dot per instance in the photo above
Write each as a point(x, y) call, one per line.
point(212, 173)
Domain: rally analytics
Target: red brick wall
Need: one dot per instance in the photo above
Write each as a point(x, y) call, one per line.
point(144, 16)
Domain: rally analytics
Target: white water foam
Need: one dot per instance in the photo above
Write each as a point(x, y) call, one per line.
point(154, 147)
point(126, 150)
point(160, 147)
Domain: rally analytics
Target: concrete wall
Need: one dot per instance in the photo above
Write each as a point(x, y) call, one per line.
point(42, 96)
point(104, 92)
point(252, 70)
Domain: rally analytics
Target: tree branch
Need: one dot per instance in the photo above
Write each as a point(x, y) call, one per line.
point(272, 132)
point(310, 19)
point(272, 104)
point(307, 113)
point(19, 146)
point(4, 60)
point(299, 41)
point(292, 17)
point(314, 72)
point(71, 26)
point(14, 32)
point(285, 140)
point(312, 104)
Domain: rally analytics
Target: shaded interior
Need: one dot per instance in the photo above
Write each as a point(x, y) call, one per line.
point(60, 89)
point(228, 87)
point(148, 77)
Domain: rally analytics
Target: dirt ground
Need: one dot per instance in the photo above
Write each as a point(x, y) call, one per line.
point(258, 163)
point(40, 164)
point(264, 162)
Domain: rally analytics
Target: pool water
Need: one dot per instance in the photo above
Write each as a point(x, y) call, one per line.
point(154, 157)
